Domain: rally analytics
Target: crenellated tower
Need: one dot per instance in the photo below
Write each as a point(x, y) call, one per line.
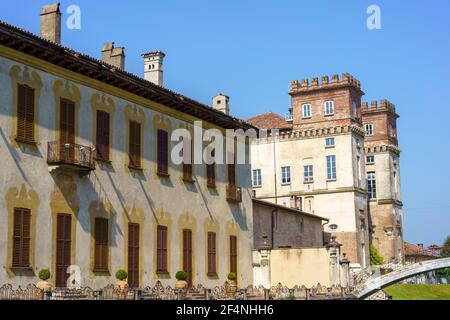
point(383, 179)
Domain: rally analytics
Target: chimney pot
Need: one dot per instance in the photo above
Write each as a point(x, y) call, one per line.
point(51, 23)
point(153, 67)
point(221, 103)
point(113, 56)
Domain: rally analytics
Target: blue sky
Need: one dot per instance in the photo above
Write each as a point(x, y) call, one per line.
point(251, 50)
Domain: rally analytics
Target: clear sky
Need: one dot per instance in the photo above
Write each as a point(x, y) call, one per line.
point(252, 49)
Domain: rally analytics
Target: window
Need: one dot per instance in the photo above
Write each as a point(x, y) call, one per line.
point(212, 269)
point(211, 173)
point(161, 249)
point(231, 174)
point(369, 129)
point(329, 142)
point(163, 152)
point(25, 113)
point(188, 167)
point(135, 144)
point(256, 178)
point(370, 159)
point(355, 109)
point(371, 185)
point(286, 175)
point(307, 110)
point(308, 173)
point(233, 254)
point(358, 164)
point(101, 244)
point(102, 135)
point(331, 167)
point(21, 238)
point(329, 108)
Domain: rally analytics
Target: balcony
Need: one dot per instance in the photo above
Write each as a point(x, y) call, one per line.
point(289, 117)
point(70, 156)
point(234, 194)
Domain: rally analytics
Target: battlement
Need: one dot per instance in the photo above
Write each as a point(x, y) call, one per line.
point(383, 105)
point(305, 85)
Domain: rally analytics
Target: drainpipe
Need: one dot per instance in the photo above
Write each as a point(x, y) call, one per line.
point(275, 165)
point(323, 231)
point(272, 227)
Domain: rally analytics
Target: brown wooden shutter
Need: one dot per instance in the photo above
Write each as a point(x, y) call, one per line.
point(233, 254)
point(161, 253)
point(133, 255)
point(21, 237)
point(187, 254)
point(232, 174)
point(29, 115)
point(101, 244)
point(163, 152)
point(63, 248)
point(67, 130)
point(25, 113)
point(135, 144)
point(212, 253)
point(102, 136)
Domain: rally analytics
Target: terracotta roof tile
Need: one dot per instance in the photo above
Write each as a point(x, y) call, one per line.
point(413, 250)
point(269, 120)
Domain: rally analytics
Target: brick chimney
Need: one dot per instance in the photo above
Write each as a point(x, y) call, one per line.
point(113, 56)
point(51, 23)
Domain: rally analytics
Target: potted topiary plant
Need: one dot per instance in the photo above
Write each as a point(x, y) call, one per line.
point(231, 284)
point(181, 283)
point(121, 283)
point(43, 285)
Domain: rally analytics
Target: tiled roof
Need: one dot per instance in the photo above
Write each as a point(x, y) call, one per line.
point(413, 250)
point(269, 120)
point(22, 40)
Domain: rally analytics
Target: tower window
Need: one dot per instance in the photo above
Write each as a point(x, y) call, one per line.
point(286, 175)
point(257, 178)
point(329, 108)
point(370, 160)
point(329, 142)
point(369, 129)
point(371, 185)
point(306, 110)
point(331, 167)
point(308, 174)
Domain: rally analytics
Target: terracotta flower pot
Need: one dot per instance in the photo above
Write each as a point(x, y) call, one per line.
point(122, 289)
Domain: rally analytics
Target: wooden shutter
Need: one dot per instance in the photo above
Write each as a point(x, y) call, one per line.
point(161, 254)
point(232, 174)
point(212, 253)
point(163, 152)
point(67, 130)
point(133, 255)
point(102, 135)
point(63, 248)
point(187, 254)
point(135, 144)
point(25, 113)
point(101, 244)
point(21, 238)
point(233, 254)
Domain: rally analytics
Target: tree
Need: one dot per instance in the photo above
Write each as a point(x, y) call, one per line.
point(445, 252)
point(375, 256)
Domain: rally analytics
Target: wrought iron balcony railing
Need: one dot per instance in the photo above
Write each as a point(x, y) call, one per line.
point(78, 156)
point(234, 194)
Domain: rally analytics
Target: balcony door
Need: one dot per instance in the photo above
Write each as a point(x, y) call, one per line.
point(63, 248)
point(133, 255)
point(187, 254)
point(67, 130)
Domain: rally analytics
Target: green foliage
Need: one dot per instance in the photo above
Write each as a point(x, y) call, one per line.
point(445, 252)
point(121, 274)
point(44, 274)
point(232, 276)
point(181, 275)
point(375, 256)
